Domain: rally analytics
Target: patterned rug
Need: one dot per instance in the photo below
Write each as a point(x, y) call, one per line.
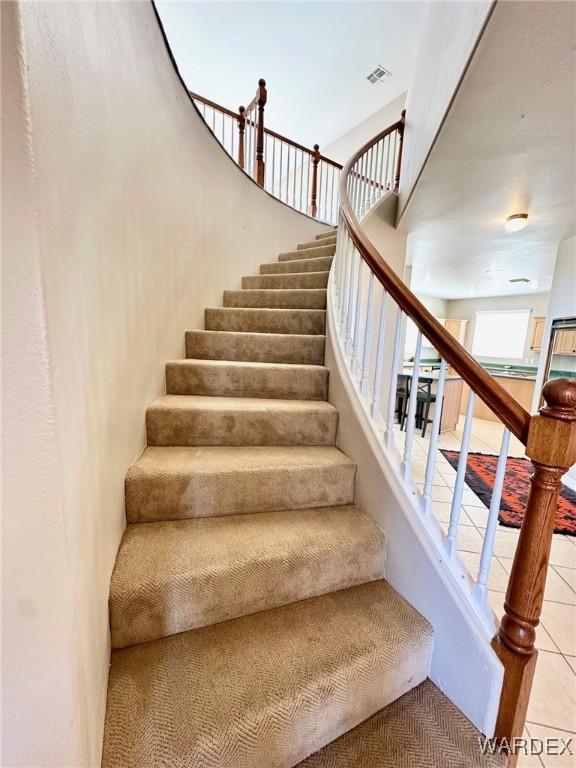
point(480, 473)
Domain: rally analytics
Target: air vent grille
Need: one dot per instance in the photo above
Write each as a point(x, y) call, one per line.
point(378, 75)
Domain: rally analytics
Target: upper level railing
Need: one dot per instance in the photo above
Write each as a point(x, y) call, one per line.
point(302, 178)
point(372, 306)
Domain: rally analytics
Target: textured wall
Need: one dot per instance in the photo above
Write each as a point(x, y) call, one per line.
point(122, 219)
point(451, 31)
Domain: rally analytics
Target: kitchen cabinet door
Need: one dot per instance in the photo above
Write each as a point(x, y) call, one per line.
point(538, 333)
point(565, 342)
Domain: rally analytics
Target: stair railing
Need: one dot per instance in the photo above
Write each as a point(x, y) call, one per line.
point(371, 307)
point(302, 178)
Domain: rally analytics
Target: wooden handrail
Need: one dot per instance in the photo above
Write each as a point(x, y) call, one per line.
point(213, 105)
point(501, 402)
point(268, 131)
point(550, 440)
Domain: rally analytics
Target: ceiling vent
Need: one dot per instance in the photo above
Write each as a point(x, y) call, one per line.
point(519, 280)
point(378, 75)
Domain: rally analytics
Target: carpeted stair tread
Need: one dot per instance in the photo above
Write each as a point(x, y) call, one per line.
point(171, 577)
point(287, 280)
point(174, 483)
point(256, 347)
point(422, 729)
point(329, 240)
point(321, 264)
point(202, 420)
point(293, 298)
point(308, 253)
point(229, 378)
point(330, 233)
point(265, 690)
point(293, 321)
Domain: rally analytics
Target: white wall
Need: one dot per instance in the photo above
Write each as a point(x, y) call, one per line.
point(346, 145)
point(451, 32)
point(465, 309)
point(122, 219)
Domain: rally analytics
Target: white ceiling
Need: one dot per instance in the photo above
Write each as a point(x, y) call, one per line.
point(314, 56)
point(507, 146)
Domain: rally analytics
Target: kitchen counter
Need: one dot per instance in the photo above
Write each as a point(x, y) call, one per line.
point(429, 375)
point(453, 385)
point(500, 374)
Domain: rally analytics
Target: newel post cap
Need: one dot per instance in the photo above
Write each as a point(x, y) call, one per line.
point(552, 433)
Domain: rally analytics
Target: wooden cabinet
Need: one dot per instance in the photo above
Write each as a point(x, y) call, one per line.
point(565, 342)
point(456, 327)
point(521, 390)
point(537, 333)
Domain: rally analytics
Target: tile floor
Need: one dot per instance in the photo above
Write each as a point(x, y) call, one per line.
point(552, 709)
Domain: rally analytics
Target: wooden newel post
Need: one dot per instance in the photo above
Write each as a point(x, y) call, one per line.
point(552, 447)
point(400, 143)
point(315, 157)
point(241, 129)
point(262, 98)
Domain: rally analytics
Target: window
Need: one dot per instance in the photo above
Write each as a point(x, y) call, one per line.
point(501, 334)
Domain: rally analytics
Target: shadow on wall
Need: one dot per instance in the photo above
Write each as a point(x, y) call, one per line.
point(125, 218)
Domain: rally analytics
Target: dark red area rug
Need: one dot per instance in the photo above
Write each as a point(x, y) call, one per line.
point(480, 473)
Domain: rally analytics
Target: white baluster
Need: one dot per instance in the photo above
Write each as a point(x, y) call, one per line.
point(377, 383)
point(480, 590)
point(394, 380)
point(352, 313)
point(348, 285)
point(450, 542)
point(355, 364)
point(367, 337)
point(426, 500)
point(411, 415)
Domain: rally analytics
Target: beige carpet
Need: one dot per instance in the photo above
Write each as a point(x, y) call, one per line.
point(265, 690)
point(248, 610)
point(422, 729)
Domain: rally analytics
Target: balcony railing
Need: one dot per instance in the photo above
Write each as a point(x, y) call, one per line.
point(301, 177)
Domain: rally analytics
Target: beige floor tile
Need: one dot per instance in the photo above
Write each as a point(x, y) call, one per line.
point(441, 493)
point(572, 661)
point(478, 515)
point(469, 540)
point(563, 553)
point(560, 621)
point(505, 542)
point(557, 589)
point(568, 574)
point(497, 576)
point(469, 498)
point(553, 742)
point(529, 760)
point(553, 700)
point(441, 511)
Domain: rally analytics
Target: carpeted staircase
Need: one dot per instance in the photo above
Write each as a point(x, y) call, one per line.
point(251, 623)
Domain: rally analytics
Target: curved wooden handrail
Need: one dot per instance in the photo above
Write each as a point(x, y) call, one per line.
point(214, 105)
point(501, 402)
point(269, 131)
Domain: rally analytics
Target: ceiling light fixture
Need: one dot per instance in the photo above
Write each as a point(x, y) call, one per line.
point(516, 222)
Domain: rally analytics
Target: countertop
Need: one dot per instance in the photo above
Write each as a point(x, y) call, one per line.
point(501, 373)
point(430, 376)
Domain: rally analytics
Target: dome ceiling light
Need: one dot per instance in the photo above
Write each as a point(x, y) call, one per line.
point(516, 222)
